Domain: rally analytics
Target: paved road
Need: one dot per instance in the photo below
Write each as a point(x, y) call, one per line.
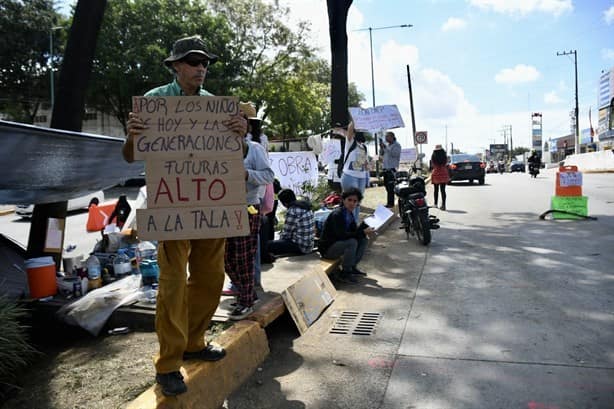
point(18, 228)
point(501, 311)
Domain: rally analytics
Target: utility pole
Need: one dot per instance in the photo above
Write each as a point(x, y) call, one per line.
point(446, 138)
point(413, 118)
point(577, 125)
point(505, 130)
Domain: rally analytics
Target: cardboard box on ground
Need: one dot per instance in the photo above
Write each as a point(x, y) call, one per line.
point(194, 169)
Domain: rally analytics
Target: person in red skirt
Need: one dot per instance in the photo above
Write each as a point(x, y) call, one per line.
point(439, 176)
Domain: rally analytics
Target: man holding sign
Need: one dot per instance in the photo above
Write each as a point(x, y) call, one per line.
point(185, 305)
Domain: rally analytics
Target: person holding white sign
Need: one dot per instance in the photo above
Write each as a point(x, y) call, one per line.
point(185, 305)
point(354, 162)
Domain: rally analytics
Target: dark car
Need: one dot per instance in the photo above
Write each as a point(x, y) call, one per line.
point(517, 166)
point(466, 167)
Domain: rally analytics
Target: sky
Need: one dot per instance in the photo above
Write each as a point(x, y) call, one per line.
point(476, 66)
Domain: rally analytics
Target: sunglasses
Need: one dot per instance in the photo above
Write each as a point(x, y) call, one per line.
point(196, 62)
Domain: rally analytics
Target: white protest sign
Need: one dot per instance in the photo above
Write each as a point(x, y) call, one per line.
point(408, 155)
point(567, 179)
point(293, 169)
point(376, 118)
point(331, 152)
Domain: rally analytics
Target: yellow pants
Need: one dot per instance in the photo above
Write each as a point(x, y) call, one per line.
point(184, 306)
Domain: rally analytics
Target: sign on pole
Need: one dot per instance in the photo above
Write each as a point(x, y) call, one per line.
point(376, 118)
point(421, 138)
point(194, 169)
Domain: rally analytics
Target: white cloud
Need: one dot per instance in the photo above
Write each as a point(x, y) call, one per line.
point(453, 23)
point(519, 74)
point(607, 54)
point(608, 15)
point(552, 98)
point(524, 7)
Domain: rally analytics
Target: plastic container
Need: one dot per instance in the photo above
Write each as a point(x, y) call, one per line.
point(568, 181)
point(121, 264)
point(41, 277)
point(149, 271)
point(146, 250)
point(93, 267)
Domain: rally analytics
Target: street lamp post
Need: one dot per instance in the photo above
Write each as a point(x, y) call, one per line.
point(51, 79)
point(371, 29)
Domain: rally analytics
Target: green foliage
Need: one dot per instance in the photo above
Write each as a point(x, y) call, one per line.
point(14, 348)
point(136, 36)
point(316, 193)
point(25, 27)
point(519, 151)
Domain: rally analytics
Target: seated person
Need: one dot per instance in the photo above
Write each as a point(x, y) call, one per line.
point(297, 236)
point(341, 236)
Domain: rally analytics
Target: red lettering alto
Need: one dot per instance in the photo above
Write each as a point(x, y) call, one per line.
point(198, 182)
point(181, 199)
point(163, 189)
point(218, 192)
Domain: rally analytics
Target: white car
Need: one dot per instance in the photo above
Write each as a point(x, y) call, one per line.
point(81, 202)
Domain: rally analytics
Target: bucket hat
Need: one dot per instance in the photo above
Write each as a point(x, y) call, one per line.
point(189, 45)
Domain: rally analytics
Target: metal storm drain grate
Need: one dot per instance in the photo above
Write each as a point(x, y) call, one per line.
point(356, 323)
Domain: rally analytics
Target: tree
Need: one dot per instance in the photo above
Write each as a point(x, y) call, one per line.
point(25, 27)
point(135, 38)
point(337, 19)
point(519, 151)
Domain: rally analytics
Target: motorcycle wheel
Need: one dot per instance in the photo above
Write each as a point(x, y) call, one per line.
point(422, 228)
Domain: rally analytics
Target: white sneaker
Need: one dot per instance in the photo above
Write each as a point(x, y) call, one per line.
point(240, 312)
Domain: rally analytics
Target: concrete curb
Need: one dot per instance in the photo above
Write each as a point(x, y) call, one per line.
point(210, 383)
point(4, 210)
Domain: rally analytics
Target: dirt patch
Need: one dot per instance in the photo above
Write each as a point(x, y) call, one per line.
point(105, 372)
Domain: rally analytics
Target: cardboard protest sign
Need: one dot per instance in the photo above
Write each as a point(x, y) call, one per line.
point(193, 169)
point(192, 222)
point(408, 155)
point(376, 118)
point(293, 169)
point(182, 126)
point(195, 182)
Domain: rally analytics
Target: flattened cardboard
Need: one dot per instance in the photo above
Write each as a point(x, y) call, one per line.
point(195, 182)
point(188, 125)
point(182, 223)
point(308, 298)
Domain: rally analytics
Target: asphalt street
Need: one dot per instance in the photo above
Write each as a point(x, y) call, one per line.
point(502, 310)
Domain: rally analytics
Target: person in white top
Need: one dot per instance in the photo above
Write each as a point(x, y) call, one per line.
point(355, 161)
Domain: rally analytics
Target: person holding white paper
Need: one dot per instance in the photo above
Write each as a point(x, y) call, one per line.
point(343, 237)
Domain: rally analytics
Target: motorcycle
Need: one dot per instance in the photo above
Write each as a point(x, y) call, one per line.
point(501, 167)
point(533, 169)
point(411, 192)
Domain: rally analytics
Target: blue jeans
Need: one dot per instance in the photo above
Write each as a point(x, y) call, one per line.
point(352, 251)
point(347, 182)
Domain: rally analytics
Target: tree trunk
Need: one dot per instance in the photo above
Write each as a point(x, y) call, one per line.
point(69, 108)
point(337, 19)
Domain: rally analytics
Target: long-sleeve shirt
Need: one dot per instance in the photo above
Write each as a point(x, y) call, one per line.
point(258, 170)
point(392, 156)
point(299, 228)
point(339, 225)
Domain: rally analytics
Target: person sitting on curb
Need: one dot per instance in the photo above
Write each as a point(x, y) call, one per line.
point(342, 237)
point(297, 236)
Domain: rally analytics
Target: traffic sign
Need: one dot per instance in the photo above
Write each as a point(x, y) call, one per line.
point(420, 138)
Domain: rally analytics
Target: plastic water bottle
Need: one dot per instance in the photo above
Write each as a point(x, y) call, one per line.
point(93, 267)
point(121, 264)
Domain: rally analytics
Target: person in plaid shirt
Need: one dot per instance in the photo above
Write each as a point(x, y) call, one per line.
point(298, 234)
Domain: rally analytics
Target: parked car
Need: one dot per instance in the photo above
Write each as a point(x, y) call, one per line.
point(517, 166)
point(466, 167)
point(81, 202)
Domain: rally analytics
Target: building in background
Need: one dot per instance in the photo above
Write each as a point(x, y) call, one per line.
point(605, 125)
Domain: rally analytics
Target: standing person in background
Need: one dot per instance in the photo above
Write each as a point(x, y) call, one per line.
point(391, 153)
point(185, 305)
point(354, 162)
point(439, 176)
point(240, 253)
